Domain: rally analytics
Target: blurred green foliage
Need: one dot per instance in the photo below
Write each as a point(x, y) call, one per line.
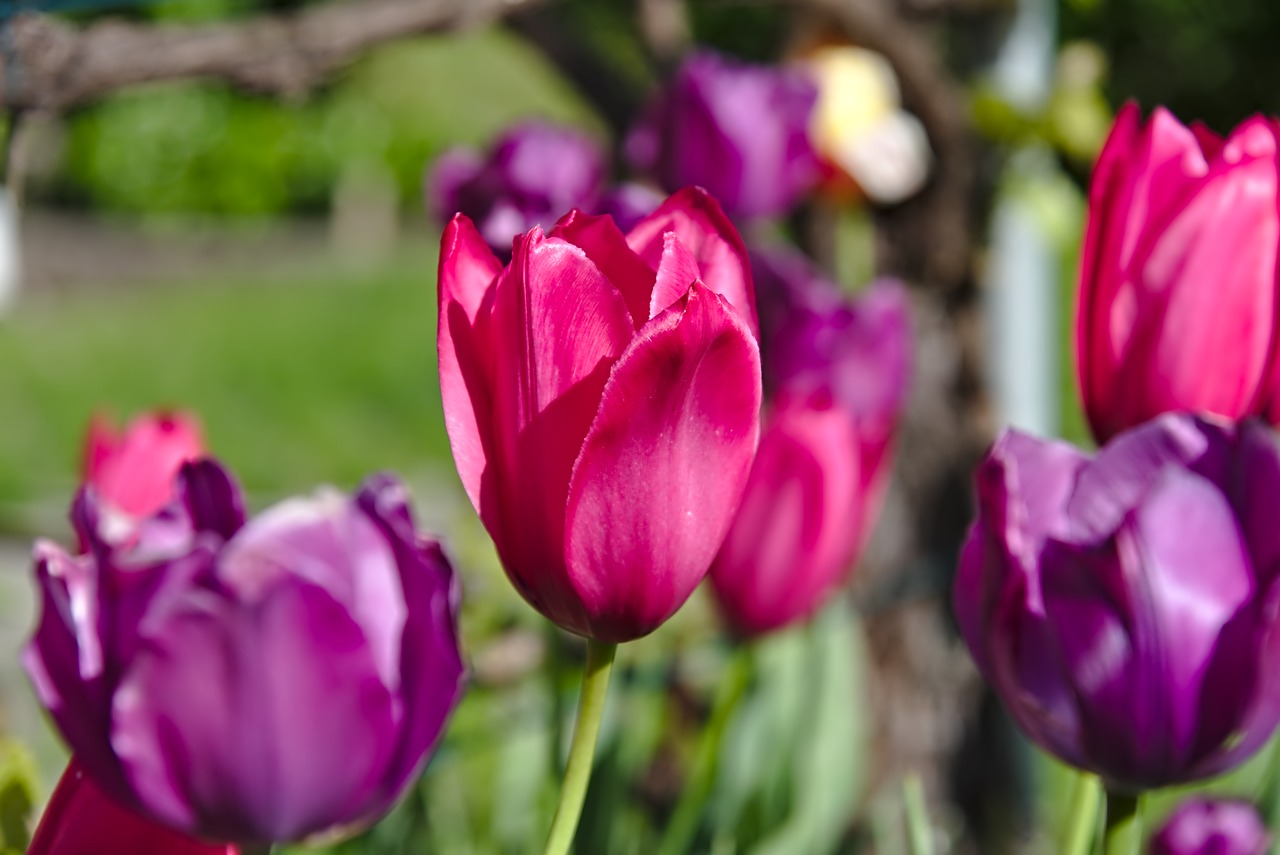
point(1204, 59)
point(200, 148)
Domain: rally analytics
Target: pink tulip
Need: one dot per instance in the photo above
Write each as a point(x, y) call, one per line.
point(134, 470)
point(80, 820)
point(1177, 303)
point(601, 395)
point(838, 372)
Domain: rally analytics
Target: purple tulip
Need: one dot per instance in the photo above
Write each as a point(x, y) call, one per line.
point(1206, 827)
point(602, 399)
point(629, 203)
point(1178, 293)
point(837, 372)
point(1124, 606)
point(740, 131)
point(533, 173)
point(253, 681)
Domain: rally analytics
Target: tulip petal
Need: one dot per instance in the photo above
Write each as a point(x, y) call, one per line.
point(677, 271)
point(211, 497)
point(607, 248)
point(799, 523)
point(1255, 494)
point(663, 468)
point(1137, 620)
point(467, 272)
point(432, 673)
point(1178, 327)
point(558, 326)
point(80, 817)
point(65, 659)
point(1128, 467)
point(704, 229)
point(256, 725)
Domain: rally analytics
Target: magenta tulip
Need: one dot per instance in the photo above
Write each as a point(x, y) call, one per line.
point(836, 370)
point(1124, 606)
point(1177, 303)
point(133, 470)
point(252, 682)
point(1203, 826)
point(81, 820)
point(602, 395)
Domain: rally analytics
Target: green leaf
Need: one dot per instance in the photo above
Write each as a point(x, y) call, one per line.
point(18, 785)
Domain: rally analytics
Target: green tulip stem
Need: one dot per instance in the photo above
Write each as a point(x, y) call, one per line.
point(595, 685)
point(919, 832)
point(1124, 824)
point(259, 849)
point(1082, 822)
point(683, 825)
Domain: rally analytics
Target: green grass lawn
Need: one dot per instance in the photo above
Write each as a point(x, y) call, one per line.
point(318, 377)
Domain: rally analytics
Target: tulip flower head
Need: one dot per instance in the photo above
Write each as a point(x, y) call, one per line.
point(836, 371)
point(739, 130)
point(253, 682)
point(1178, 277)
point(533, 173)
point(1207, 827)
point(81, 820)
point(1124, 606)
point(133, 470)
point(602, 394)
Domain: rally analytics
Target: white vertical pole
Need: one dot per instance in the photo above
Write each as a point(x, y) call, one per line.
point(1024, 343)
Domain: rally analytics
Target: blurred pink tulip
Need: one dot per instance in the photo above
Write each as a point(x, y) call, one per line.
point(837, 371)
point(134, 470)
point(1177, 302)
point(602, 395)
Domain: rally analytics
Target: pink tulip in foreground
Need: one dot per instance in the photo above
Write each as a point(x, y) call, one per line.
point(1177, 303)
point(133, 470)
point(81, 820)
point(602, 396)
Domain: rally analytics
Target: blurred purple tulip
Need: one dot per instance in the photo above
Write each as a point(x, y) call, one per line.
point(741, 131)
point(1178, 291)
point(251, 682)
point(1124, 606)
point(1203, 826)
point(602, 399)
point(629, 203)
point(837, 371)
point(532, 174)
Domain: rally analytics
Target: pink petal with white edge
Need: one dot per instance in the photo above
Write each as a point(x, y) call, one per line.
point(467, 272)
point(606, 246)
point(708, 233)
point(664, 467)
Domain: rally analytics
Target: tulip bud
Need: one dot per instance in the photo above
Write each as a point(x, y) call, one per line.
point(1204, 827)
point(1177, 301)
point(80, 820)
point(533, 173)
point(837, 372)
point(252, 682)
point(602, 395)
point(1124, 606)
point(740, 131)
point(133, 471)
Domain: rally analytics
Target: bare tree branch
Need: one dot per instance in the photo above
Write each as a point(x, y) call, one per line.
point(51, 65)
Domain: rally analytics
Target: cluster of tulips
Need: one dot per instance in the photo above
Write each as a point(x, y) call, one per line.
point(1124, 604)
point(227, 682)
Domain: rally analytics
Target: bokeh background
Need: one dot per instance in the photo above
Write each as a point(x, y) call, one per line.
point(266, 263)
